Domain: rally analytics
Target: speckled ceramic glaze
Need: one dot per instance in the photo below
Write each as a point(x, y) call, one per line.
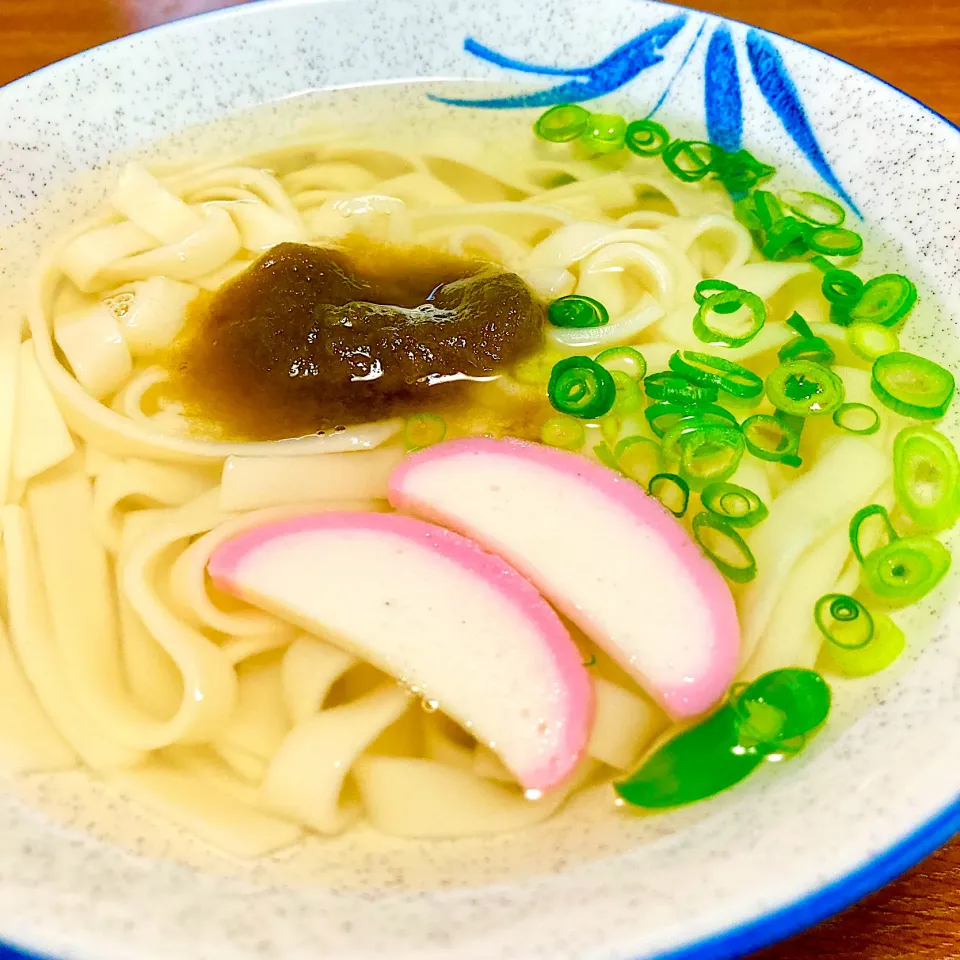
point(84, 875)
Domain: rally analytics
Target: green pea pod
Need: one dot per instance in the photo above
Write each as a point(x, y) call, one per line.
point(698, 763)
point(802, 696)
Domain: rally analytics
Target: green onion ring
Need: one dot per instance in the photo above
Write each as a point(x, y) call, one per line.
point(786, 238)
point(715, 304)
point(563, 432)
point(857, 521)
point(657, 414)
point(814, 349)
point(710, 453)
point(577, 312)
point(646, 138)
point(692, 160)
point(604, 132)
point(423, 430)
point(796, 322)
point(626, 360)
point(581, 388)
point(843, 620)
point(886, 299)
point(857, 418)
point(906, 570)
point(835, 241)
point(672, 491)
point(804, 389)
point(737, 505)
point(769, 438)
point(725, 547)
point(705, 369)
point(817, 209)
point(562, 123)
point(639, 458)
point(768, 208)
point(926, 477)
point(912, 386)
point(871, 340)
point(668, 385)
point(841, 287)
point(887, 643)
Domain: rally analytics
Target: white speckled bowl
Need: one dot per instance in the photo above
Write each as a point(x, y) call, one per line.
point(788, 847)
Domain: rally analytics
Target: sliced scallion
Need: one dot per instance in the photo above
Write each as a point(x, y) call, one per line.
point(565, 433)
point(907, 569)
point(857, 418)
point(626, 360)
point(639, 458)
point(738, 329)
point(724, 374)
point(423, 430)
point(769, 438)
point(885, 646)
point(886, 299)
point(725, 547)
point(577, 311)
point(671, 386)
point(742, 171)
point(646, 138)
point(804, 389)
point(737, 505)
point(926, 476)
point(912, 386)
point(796, 322)
point(582, 388)
point(786, 238)
point(814, 349)
point(871, 340)
point(710, 453)
point(672, 491)
point(604, 132)
point(707, 288)
point(629, 399)
point(605, 455)
point(562, 123)
point(692, 160)
point(860, 518)
point(843, 621)
point(835, 241)
point(814, 207)
point(842, 287)
point(768, 208)
point(662, 416)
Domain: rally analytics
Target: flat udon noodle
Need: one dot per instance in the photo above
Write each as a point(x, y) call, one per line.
point(209, 711)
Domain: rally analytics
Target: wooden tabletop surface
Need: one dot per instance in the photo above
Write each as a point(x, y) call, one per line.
point(914, 44)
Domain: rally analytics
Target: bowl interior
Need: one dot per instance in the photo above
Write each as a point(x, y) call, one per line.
point(88, 874)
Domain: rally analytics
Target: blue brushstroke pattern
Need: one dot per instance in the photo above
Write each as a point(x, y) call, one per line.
point(779, 91)
point(721, 91)
point(609, 74)
point(679, 70)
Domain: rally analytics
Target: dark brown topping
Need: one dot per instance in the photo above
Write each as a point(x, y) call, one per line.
point(309, 338)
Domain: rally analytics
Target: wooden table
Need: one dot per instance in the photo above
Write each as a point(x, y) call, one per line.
point(915, 44)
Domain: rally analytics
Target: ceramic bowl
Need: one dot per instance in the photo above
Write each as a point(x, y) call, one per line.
point(85, 875)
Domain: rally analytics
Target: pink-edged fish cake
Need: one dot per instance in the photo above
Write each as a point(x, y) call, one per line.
point(453, 622)
point(605, 554)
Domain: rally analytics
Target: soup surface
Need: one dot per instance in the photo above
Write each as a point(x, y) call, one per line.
point(276, 566)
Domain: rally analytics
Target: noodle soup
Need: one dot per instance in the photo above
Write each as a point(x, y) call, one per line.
point(363, 479)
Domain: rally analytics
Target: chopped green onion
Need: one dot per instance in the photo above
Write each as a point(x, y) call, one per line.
point(912, 386)
point(565, 433)
point(639, 458)
point(804, 389)
point(626, 360)
point(671, 386)
point(582, 388)
point(796, 322)
point(603, 453)
point(840, 315)
point(871, 340)
point(696, 419)
point(742, 171)
point(841, 287)
point(692, 160)
point(769, 438)
point(857, 521)
point(724, 374)
point(821, 263)
point(604, 132)
point(562, 123)
point(813, 349)
point(819, 210)
point(745, 211)
point(907, 569)
point(707, 288)
point(629, 398)
point(768, 208)
point(886, 645)
point(710, 332)
point(577, 311)
point(423, 430)
point(662, 416)
point(926, 475)
point(835, 241)
point(737, 505)
point(712, 452)
point(672, 491)
point(886, 299)
point(786, 238)
point(844, 621)
point(725, 547)
point(646, 138)
point(857, 418)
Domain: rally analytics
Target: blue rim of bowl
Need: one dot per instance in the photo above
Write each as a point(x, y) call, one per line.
point(829, 900)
